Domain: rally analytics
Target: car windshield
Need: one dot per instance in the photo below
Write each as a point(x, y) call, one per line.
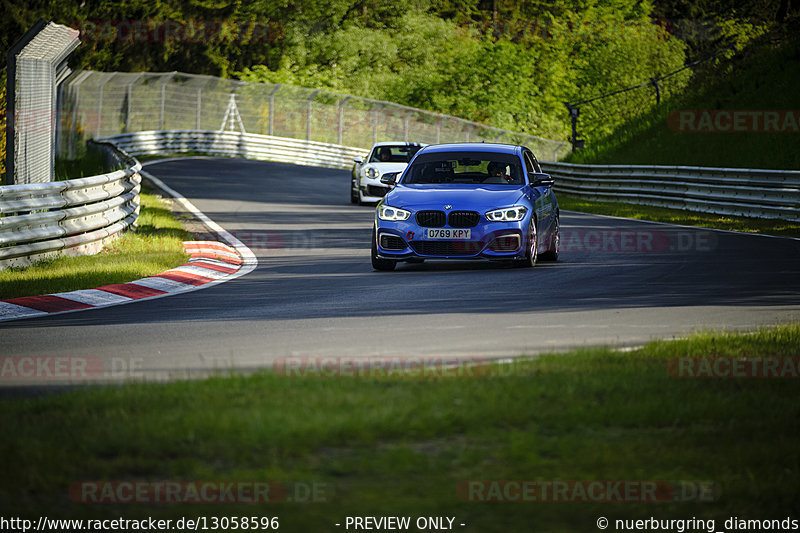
point(401, 153)
point(479, 168)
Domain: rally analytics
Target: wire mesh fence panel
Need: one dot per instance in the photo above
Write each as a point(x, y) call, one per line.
point(36, 64)
point(102, 104)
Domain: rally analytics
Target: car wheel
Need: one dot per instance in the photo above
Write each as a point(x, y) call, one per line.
point(377, 262)
point(532, 252)
point(354, 194)
point(555, 241)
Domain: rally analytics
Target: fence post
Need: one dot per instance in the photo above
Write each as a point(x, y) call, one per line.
point(272, 107)
point(197, 109)
point(308, 114)
point(341, 117)
point(100, 105)
point(405, 126)
point(129, 97)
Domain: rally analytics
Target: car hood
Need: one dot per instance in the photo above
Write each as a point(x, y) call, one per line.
point(460, 197)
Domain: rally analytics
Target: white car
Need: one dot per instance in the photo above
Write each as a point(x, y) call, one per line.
point(383, 158)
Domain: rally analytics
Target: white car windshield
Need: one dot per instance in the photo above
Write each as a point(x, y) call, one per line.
point(393, 154)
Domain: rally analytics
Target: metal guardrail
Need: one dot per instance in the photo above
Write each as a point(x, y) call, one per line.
point(725, 191)
point(232, 144)
point(75, 216)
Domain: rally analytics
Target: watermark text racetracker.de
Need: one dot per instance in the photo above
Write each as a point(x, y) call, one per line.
point(734, 121)
point(572, 240)
point(637, 241)
point(188, 31)
point(586, 491)
point(385, 367)
point(172, 492)
point(72, 368)
point(774, 367)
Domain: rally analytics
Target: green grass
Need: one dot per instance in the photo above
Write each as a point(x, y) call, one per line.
point(401, 446)
point(677, 216)
point(156, 245)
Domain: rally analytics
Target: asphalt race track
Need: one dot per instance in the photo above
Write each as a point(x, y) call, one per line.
point(314, 292)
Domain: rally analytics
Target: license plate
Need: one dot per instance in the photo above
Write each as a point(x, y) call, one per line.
point(447, 234)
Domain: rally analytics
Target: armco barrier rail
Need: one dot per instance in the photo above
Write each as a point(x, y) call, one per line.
point(246, 145)
point(740, 192)
point(74, 217)
point(726, 191)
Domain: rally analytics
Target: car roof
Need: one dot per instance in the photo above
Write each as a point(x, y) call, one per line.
point(397, 143)
point(512, 149)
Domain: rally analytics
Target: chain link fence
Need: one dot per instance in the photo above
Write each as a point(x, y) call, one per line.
point(37, 63)
point(101, 104)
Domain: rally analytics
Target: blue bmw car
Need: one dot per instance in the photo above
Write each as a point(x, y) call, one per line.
point(467, 201)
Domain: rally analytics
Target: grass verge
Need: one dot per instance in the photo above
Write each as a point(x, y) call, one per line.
point(401, 446)
point(782, 228)
point(155, 246)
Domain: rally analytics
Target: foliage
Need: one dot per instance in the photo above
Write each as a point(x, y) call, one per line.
point(515, 74)
point(762, 76)
point(512, 64)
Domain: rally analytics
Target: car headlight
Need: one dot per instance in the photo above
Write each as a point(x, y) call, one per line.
point(387, 212)
point(372, 173)
point(507, 214)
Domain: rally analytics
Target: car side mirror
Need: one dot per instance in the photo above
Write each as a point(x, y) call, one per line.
point(390, 179)
point(358, 160)
point(540, 179)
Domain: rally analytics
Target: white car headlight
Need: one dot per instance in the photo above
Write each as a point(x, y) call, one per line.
point(393, 214)
point(507, 214)
point(372, 173)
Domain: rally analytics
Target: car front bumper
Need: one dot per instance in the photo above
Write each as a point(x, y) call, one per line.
point(488, 240)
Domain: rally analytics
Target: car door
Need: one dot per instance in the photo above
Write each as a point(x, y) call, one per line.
point(543, 200)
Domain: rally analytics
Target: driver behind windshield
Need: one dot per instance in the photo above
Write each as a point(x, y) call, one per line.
point(478, 168)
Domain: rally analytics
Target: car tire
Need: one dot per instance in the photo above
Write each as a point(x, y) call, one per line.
point(555, 242)
point(355, 197)
point(532, 251)
point(378, 263)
